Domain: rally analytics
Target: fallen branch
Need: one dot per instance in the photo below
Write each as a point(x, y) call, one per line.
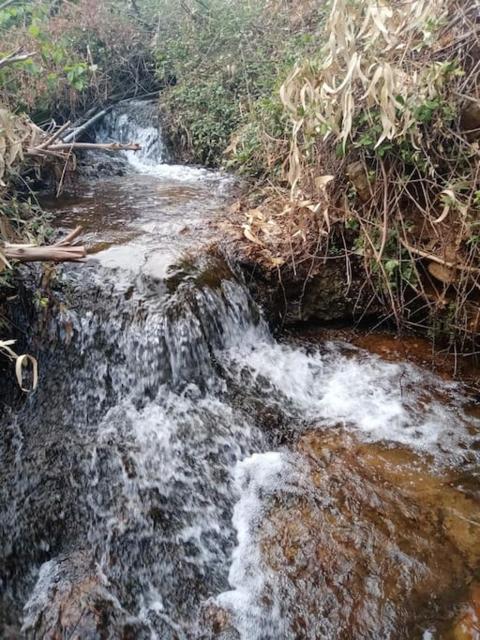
point(63, 251)
point(85, 126)
point(14, 57)
point(68, 240)
point(111, 146)
point(44, 254)
point(58, 149)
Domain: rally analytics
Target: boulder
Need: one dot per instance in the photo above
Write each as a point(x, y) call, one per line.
point(71, 600)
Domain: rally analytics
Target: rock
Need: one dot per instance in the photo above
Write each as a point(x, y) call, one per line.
point(444, 274)
point(101, 164)
point(70, 600)
point(361, 541)
point(470, 120)
point(325, 296)
point(215, 623)
point(467, 624)
point(359, 178)
point(329, 298)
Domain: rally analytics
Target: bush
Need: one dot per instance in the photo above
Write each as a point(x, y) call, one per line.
point(84, 53)
point(222, 61)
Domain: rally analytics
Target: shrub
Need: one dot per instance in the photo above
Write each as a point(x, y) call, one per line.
point(222, 60)
point(84, 53)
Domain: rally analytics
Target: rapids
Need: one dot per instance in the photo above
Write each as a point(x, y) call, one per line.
point(182, 473)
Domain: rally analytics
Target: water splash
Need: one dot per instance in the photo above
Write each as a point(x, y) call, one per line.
point(135, 121)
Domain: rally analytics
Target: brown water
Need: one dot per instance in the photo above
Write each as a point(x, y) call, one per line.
point(133, 220)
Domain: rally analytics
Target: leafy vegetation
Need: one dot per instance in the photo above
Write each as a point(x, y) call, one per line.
point(223, 61)
point(383, 142)
point(83, 53)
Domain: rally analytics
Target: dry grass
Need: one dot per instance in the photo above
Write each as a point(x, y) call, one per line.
point(385, 143)
point(22, 362)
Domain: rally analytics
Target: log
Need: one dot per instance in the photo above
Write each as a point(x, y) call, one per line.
point(62, 251)
point(45, 254)
point(85, 126)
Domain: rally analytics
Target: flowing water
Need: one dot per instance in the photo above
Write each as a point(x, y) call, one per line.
point(181, 473)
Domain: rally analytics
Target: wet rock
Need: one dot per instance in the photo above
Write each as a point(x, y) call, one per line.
point(101, 164)
point(325, 297)
point(216, 624)
point(70, 600)
point(467, 624)
point(359, 540)
point(328, 297)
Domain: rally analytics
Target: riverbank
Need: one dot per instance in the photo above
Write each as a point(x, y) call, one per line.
point(349, 214)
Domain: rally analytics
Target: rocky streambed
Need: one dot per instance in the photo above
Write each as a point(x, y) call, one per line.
point(182, 472)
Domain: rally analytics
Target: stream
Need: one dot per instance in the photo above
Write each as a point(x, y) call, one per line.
point(181, 472)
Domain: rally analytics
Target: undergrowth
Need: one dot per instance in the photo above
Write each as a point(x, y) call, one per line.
point(222, 61)
point(382, 149)
point(85, 53)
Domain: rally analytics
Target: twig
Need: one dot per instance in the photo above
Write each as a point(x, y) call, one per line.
point(433, 258)
point(70, 237)
point(55, 136)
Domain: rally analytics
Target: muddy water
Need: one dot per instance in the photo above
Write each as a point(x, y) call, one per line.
point(180, 473)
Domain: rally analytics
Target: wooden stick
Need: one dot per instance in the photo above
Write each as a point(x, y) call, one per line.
point(59, 149)
point(45, 153)
point(70, 237)
point(111, 146)
point(55, 136)
point(45, 254)
point(62, 251)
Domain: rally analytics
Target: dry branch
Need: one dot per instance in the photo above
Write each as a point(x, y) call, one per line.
point(14, 57)
point(111, 146)
point(63, 251)
point(55, 136)
point(44, 254)
point(85, 126)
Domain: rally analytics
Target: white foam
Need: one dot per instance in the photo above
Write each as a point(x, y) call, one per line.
point(256, 477)
point(379, 399)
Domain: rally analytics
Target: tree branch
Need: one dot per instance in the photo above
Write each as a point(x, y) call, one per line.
point(109, 146)
point(63, 251)
point(6, 4)
point(14, 57)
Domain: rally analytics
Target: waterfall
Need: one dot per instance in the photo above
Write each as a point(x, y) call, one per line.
point(135, 121)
